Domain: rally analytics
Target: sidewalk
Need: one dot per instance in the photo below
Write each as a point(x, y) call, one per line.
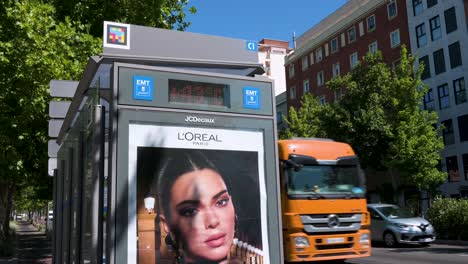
point(32, 246)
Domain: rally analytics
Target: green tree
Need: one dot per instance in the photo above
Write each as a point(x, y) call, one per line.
point(379, 114)
point(168, 14)
point(34, 49)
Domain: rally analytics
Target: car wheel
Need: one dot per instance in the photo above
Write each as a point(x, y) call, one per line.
point(389, 239)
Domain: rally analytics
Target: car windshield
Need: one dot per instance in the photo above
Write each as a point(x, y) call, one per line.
point(325, 179)
point(394, 212)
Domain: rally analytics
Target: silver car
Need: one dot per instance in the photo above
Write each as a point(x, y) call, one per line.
point(392, 225)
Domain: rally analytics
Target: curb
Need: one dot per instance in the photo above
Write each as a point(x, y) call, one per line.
point(451, 242)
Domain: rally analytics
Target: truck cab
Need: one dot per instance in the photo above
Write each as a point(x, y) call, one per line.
point(323, 201)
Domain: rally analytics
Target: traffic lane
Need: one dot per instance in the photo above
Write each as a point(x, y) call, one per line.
point(434, 253)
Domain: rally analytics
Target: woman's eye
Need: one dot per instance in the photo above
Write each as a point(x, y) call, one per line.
point(188, 212)
point(222, 202)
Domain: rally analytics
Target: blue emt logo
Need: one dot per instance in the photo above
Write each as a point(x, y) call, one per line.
point(251, 98)
point(143, 88)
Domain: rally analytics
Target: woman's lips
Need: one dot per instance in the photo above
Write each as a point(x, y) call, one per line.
point(216, 240)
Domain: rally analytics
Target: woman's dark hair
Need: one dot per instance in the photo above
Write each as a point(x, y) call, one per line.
point(174, 165)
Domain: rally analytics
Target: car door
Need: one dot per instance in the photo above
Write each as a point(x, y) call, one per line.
point(377, 225)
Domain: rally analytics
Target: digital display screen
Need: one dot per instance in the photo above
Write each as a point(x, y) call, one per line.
point(198, 93)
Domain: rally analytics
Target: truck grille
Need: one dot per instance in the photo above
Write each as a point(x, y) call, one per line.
point(331, 223)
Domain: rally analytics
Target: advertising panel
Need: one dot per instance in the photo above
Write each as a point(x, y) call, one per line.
point(200, 195)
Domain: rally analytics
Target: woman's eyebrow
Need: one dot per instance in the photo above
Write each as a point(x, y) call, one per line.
point(216, 196)
point(188, 202)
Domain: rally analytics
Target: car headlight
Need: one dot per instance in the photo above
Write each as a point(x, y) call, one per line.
point(301, 241)
point(402, 226)
point(364, 238)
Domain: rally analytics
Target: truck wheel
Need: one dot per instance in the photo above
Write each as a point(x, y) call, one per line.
point(389, 239)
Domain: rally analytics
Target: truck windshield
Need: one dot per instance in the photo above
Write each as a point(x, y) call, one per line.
point(325, 179)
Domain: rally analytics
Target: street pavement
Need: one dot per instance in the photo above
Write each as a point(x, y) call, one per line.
point(453, 253)
point(32, 246)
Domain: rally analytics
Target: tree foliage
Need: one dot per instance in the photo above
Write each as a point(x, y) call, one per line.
point(168, 14)
point(41, 40)
point(380, 116)
point(34, 49)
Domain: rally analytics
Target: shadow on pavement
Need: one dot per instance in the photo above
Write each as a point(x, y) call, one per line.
point(33, 246)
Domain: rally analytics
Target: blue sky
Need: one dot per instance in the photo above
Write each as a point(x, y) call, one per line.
point(257, 19)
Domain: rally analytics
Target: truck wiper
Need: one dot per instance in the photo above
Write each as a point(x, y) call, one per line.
point(315, 196)
point(352, 196)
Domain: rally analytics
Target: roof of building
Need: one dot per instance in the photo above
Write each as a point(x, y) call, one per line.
point(332, 24)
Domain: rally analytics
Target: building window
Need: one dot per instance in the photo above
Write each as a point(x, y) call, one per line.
point(279, 117)
point(460, 91)
point(463, 128)
point(371, 23)
point(334, 45)
point(431, 3)
point(373, 47)
point(444, 99)
point(326, 49)
point(305, 63)
point(311, 56)
point(465, 165)
point(338, 94)
point(447, 132)
point(439, 61)
point(391, 9)
point(452, 169)
point(320, 79)
point(417, 7)
point(336, 69)
point(421, 37)
point(361, 28)
point(353, 60)
point(291, 70)
point(343, 39)
point(322, 100)
point(305, 86)
point(436, 32)
point(429, 101)
point(318, 54)
point(352, 34)
point(450, 20)
point(427, 69)
point(292, 93)
point(395, 38)
point(455, 55)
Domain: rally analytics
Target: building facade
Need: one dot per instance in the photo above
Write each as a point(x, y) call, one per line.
point(271, 53)
point(335, 45)
point(439, 38)
point(434, 31)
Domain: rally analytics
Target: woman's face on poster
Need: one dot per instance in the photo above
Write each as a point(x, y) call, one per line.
point(202, 215)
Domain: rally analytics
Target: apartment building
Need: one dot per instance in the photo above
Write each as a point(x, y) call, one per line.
point(435, 31)
point(439, 38)
point(271, 53)
point(336, 44)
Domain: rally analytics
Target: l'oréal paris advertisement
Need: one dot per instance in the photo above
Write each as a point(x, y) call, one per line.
point(198, 195)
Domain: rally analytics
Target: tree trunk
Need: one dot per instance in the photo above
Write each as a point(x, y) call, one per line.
point(6, 202)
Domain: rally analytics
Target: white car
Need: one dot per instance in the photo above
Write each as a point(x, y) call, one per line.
point(393, 225)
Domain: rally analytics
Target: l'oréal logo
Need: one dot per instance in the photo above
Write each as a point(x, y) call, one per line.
point(195, 119)
point(198, 138)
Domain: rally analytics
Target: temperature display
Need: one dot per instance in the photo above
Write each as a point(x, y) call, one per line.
point(198, 93)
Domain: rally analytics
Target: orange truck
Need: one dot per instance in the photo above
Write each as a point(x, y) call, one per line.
point(323, 201)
